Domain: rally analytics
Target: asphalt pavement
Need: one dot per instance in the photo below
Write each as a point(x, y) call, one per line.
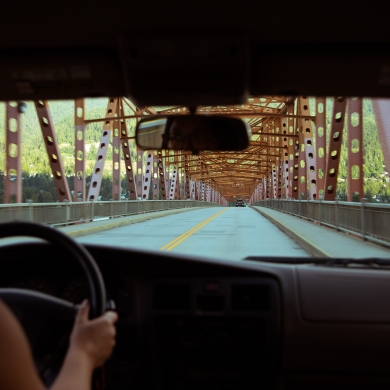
point(222, 232)
point(219, 232)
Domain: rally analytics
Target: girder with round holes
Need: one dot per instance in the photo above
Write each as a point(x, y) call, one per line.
point(287, 156)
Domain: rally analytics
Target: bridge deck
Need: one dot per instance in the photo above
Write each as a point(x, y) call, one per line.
point(218, 232)
point(103, 224)
point(233, 234)
point(230, 233)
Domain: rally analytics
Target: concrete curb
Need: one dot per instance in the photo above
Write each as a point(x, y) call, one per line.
point(302, 241)
point(119, 222)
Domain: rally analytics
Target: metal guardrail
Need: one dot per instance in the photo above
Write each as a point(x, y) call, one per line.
point(66, 213)
point(370, 221)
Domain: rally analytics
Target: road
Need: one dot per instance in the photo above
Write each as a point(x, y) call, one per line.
point(220, 232)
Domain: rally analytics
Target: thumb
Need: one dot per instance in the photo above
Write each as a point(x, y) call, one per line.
point(111, 316)
point(83, 312)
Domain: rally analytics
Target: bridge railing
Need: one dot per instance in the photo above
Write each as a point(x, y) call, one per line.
point(57, 214)
point(370, 221)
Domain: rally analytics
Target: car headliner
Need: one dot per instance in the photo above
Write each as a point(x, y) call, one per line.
point(300, 47)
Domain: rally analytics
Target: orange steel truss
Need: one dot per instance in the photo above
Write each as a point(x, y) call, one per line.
point(233, 175)
point(13, 177)
point(289, 153)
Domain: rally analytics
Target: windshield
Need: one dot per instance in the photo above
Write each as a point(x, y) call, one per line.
point(313, 181)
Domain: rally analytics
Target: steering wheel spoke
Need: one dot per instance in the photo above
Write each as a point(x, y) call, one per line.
point(34, 303)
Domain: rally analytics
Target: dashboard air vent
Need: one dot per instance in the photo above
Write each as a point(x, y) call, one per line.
point(172, 296)
point(249, 297)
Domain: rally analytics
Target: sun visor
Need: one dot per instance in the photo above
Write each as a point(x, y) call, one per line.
point(65, 74)
point(188, 69)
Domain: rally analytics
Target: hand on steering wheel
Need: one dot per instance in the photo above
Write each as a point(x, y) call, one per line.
point(33, 307)
point(94, 338)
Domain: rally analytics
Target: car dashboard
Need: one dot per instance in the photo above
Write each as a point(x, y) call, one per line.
point(195, 323)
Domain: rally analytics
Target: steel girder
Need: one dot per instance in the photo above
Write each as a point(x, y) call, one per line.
point(162, 176)
point(286, 158)
point(105, 138)
point(173, 186)
point(188, 187)
point(155, 178)
point(355, 148)
point(139, 174)
point(129, 163)
point(147, 176)
point(53, 152)
point(382, 110)
point(79, 155)
point(336, 136)
point(306, 131)
point(321, 147)
point(192, 189)
point(13, 172)
point(262, 153)
point(116, 156)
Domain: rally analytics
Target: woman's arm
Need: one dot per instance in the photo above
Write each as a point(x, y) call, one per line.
point(17, 369)
point(91, 344)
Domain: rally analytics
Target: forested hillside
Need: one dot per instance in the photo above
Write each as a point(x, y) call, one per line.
point(38, 183)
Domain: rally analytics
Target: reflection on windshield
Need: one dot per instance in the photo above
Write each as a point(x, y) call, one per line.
point(190, 133)
point(196, 133)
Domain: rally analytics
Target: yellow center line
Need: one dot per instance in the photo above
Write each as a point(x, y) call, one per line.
point(188, 233)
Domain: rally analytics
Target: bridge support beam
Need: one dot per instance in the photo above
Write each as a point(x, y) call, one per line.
point(302, 183)
point(129, 163)
point(181, 189)
point(321, 147)
point(140, 173)
point(155, 179)
point(162, 176)
point(192, 189)
point(382, 110)
point(13, 172)
point(79, 144)
point(172, 190)
point(336, 137)
point(53, 152)
point(355, 149)
point(283, 159)
point(274, 182)
point(147, 176)
point(187, 186)
point(105, 137)
point(291, 163)
point(306, 132)
point(116, 155)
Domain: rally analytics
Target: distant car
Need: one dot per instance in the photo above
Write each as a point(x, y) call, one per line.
point(240, 203)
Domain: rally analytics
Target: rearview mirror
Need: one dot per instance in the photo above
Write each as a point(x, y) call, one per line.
point(192, 132)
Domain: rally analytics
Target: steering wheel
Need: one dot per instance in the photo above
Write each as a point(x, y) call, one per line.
point(31, 307)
